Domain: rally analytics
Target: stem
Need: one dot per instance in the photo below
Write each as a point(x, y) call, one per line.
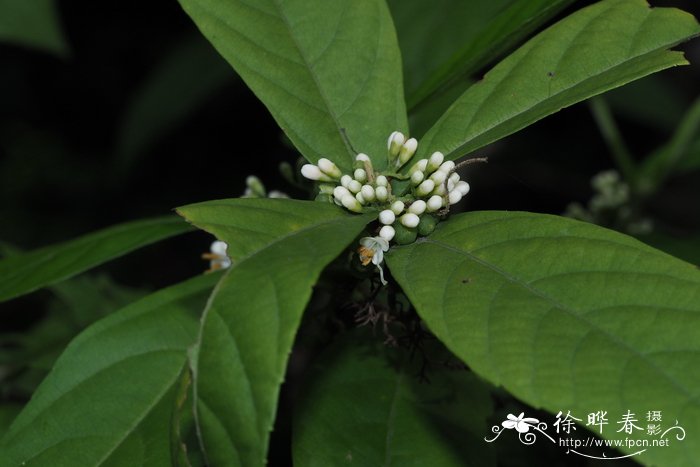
point(613, 138)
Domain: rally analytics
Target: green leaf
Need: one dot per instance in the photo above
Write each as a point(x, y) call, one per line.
point(320, 67)
point(110, 397)
point(154, 112)
point(565, 315)
point(365, 406)
point(442, 49)
point(32, 24)
point(252, 317)
point(21, 274)
point(591, 51)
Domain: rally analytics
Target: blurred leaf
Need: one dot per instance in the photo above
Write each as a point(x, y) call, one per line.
point(589, 52)
point(250, 322)
point(320, 66)
point(679, 154)
point(565, 315)
point(27, 272)
point(365, 406)
point(652, 101)
point(34, 24)
point(177, 85)
point(8, 412)
point(446, 41)
point(109, 399)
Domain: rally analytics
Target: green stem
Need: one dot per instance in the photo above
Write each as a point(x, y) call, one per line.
point(613, 138)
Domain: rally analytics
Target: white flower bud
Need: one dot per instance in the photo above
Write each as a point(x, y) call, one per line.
point(434, 203)
point(329, 168)
point(420, 165)
point(410, 220)
point(417, 177)
point(462, 187)
point(435, 161)
point(218, 248)
point(407, 151)
point(387, 217)
point(312, 172)
point(447, 167)
point(397, 207)
point(354, 186)
point(368, 193)
point(340, 191)
point(256, 186)
point(394, 144)
point(277, 194)
point(382, 181)
point(387, 233)
point(425, 188)
point(438, 177)
point(351, 203)
point(455, 196)
point(360, 198)
point(362, 157)
point(440, 190)
point(454, 178)
point(345, 180)
point(360, 175)
point(450, 185)
point(381, 193)
point(417, 207)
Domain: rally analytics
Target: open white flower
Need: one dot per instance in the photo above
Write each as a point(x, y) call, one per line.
point(217, 256)
point(372, 250)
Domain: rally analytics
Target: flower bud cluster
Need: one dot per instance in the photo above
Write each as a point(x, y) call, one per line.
point(433, 185)
point(256, 189)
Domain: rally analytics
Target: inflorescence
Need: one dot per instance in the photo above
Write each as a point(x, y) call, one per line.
point(433, 186)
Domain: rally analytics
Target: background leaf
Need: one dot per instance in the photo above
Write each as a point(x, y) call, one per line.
point(364, 405)
point(565, 315)
point(24, 273)
point(589, 52)
point(249, 325)
point(320, 66)
point(110, 397)
point(32, 24)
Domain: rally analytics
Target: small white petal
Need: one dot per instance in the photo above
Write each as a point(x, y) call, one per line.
point(397, 206)
point(410, 220)
point(462, 187)
point(455, 197)
point(425, 188)
point(434, 203)
point(382, 181)
point(387, 217)
point(387, 233)
point(362, 157)
point(381, 193)
point(368, 193)
point(354, 186)
point(417, 207)
point(218, 248)
point(360, 175)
